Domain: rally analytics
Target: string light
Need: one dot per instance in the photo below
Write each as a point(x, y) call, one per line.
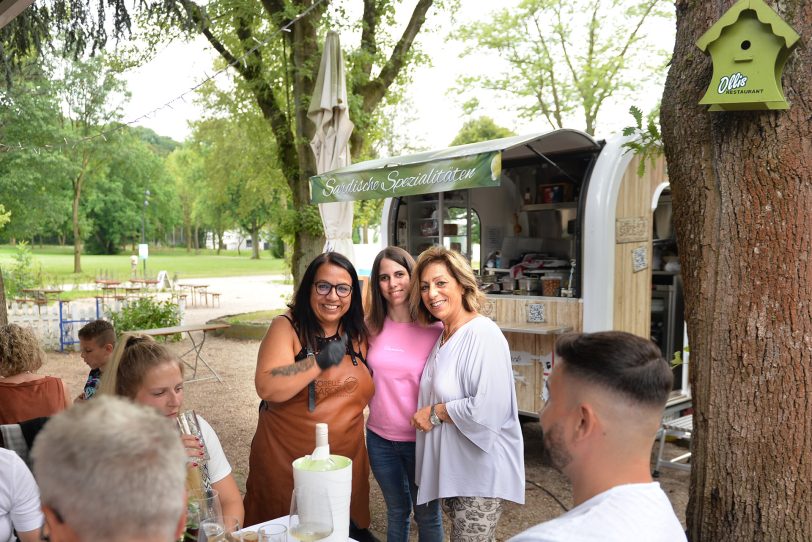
point(182, 97)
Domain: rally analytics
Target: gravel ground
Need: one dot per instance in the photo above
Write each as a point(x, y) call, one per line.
point(231, 408)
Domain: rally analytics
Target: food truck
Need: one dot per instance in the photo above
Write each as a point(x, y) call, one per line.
point(563, 231)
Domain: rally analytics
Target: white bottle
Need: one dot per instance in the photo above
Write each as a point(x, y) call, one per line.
point(320, 459)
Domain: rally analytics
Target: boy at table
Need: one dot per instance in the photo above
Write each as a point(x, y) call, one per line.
point(96, 341)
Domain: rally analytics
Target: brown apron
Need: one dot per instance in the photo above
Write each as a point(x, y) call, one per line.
point(286, 431)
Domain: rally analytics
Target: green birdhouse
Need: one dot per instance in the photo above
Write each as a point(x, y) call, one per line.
point(749, 46)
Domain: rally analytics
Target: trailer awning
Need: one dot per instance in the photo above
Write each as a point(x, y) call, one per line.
point(465, 166)
point(11, 8)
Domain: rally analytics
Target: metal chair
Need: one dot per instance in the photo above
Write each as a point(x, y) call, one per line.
point(680, 428)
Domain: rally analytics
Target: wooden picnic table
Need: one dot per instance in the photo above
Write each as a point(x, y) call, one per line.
point(197, 347)
point(42, 293)
point(195, 290)
point(145, 282)
point(132, 291)
point(108, 282)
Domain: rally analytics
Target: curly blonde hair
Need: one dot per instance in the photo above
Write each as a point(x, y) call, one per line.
point(19, 350)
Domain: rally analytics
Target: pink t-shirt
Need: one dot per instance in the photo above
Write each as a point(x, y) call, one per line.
point(397, 356)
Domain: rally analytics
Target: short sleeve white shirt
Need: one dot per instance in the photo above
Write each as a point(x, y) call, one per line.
point(627, 513)
point(217, 465)
point(19, 497)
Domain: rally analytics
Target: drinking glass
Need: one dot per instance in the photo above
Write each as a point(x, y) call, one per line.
point(232, 526)
point(273, 533)
point(311, 517)
point(190, 425)
point(211, 530)
point(200, 509)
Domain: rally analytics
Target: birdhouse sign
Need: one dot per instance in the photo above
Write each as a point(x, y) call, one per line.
point(748, 46)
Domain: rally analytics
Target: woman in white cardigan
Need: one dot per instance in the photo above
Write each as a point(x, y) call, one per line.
point(469, 441)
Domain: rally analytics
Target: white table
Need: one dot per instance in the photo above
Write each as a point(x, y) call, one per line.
point(284, 520)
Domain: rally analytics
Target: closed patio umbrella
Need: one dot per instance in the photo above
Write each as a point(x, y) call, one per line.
point(329, 112)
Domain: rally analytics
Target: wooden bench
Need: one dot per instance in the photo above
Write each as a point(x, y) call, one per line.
point(197, 347)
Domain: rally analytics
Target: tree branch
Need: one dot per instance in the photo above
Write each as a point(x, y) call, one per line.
point(373, 91)
point(369, 27)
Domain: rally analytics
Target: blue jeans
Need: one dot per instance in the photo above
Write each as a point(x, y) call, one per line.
point(393, 465)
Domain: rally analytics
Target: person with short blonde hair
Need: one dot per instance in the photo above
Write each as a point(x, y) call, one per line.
point(24, 394)
point(110, 470)
point(469, 441)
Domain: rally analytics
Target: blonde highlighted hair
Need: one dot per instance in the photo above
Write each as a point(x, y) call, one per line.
point(19, 350)
point(134, 356)
point(458, 267)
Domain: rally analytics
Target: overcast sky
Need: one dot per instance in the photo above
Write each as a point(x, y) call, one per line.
point(434, 117)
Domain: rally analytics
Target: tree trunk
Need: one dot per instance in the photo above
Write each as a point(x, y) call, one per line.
point(3, 306)
point(742, 189)
point(77, 235)
point(254, 241)
point(197, 239)
point(77, 196)
point(188, 231)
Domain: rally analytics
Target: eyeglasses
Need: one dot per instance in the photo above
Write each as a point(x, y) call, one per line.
point(342, 290)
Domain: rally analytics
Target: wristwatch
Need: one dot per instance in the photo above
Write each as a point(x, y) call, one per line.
point(434, 418)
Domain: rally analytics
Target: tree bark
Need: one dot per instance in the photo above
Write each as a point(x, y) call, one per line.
point(77, 234)
point(255, 241)
point(742, 190)
point(3, 306)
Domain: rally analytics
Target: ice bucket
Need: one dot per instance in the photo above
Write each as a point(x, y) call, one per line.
point(337, 482)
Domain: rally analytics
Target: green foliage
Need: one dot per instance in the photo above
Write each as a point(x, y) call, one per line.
point(480, 129)
point(648, 143)
point(24, 272)
point(145, 313)
point(277, 245)
point(566, 58)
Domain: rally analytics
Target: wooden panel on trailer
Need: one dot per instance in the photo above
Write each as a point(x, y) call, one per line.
point(633, 247)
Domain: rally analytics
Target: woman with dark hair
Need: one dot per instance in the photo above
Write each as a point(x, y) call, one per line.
point(398, 348)
point(311, 368)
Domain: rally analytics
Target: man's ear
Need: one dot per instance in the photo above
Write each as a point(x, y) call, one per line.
point(109, 348)
point(588, 423)
point(59, 531)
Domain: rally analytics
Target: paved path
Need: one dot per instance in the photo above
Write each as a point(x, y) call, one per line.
point(238, 295)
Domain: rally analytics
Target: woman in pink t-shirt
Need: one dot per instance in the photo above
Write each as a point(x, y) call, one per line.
point(398, 349)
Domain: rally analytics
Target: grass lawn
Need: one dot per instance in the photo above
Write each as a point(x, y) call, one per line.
point(263, 317)
point(57, 264)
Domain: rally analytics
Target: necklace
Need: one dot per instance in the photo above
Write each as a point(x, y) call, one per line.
point(445, 336)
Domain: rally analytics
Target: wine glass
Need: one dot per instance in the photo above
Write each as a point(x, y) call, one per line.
point(232, 526)
point(201, 508)
point(211, 530)
point(311, 517)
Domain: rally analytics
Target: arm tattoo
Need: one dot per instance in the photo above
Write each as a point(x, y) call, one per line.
point(296, 368)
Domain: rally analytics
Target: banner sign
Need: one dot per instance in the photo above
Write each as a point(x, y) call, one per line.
point(475, 171)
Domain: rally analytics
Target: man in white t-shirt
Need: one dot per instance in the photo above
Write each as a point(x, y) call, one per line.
point(606, 395)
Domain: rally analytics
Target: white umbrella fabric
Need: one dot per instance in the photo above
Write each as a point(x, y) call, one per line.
point(331, 144)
